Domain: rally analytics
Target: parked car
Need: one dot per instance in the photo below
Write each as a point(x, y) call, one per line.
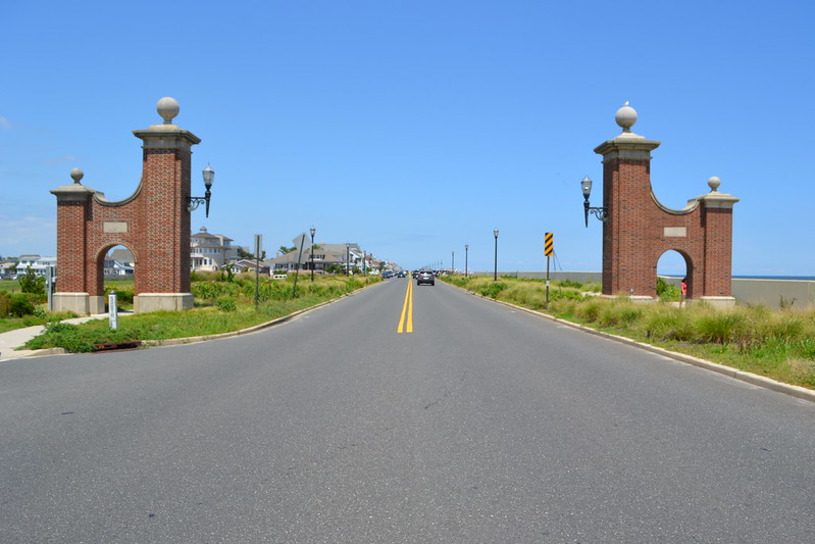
point(425, 277)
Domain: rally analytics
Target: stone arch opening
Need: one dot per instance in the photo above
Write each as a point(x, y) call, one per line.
point(116, 270)
point(672, 266)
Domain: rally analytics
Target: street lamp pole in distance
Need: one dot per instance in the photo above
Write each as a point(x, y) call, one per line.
point(313, 231)
point(495, 269)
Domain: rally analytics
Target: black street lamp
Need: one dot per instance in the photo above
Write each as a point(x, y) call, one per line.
point(194, 201)
point(347, 260)
point(466, 258)
point(600, 213)
point(453, 265)
point(495, 270)
point(313, 231)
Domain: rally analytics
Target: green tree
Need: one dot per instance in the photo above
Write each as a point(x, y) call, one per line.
point(667, 291)
point(283, 249)
point(244, 254)
point(32, 283)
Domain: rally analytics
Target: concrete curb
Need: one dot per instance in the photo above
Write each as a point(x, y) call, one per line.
point(748, 377)
point(33, 353)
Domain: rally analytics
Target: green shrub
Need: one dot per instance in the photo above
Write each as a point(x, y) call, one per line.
point(619, 314)
point(492, 289)
point(123, 296)
point(806, 347)
point(570, 283)
point(786, 327)
point(589, 311)
point(32, 283)
point(212, 290)
point(721, 327)
point(226, 304)
point(667, 291)
point(565, 294)
point(77, 339)
point(669, 324)
point(21, 305)
point(563, 307)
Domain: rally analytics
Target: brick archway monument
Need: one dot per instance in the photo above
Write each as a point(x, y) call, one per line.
point(638, 229)
point(154, 223)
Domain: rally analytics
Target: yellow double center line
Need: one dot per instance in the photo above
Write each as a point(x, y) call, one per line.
point(406, 321)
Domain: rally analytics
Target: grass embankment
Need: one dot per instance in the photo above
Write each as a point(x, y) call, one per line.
point(9, 286)
point(221, 306)
point(777, 344)
point(19, 310)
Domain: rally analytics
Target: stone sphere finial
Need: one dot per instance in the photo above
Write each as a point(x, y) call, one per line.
point(167, 108)
point(714, 183)
point(77, 175)
point(626, 116)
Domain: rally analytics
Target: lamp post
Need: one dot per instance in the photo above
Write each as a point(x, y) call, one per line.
point(453, 264)
point(347, 260)
point(313, 231)
point(194, 201)
point(599, 212)
point(466, 258)
point(495, 269)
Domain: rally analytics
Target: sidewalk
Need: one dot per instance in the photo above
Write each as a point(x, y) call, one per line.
point(18, 337)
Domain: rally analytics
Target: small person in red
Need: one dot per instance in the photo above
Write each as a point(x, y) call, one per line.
point(684, 287)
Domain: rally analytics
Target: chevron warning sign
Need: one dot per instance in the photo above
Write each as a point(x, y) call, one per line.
point(549, 244)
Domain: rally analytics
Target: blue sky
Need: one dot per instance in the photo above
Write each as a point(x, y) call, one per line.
point(414, 127)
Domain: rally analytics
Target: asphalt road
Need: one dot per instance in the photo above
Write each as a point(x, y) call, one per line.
point(482, 425)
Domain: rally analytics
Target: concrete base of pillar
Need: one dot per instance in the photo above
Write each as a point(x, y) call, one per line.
point(642, 299)
point(71, 302)
point(96, 305)
point(156, 302)
point(719, 302)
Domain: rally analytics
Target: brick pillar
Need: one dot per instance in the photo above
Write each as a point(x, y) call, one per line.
point(163, 273)
point(627, 198)
point(638, 229)
point(717, 217)
point(73, 209)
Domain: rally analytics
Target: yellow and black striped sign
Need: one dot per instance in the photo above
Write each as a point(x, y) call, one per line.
point(549, 244)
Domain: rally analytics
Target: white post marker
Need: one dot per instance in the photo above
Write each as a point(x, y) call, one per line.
point(113, 311)
point(49, 286)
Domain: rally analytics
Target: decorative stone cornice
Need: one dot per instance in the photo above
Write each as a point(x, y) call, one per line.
point(716, 199)
point(627, 146)
point(166, 137)
point(73, 192)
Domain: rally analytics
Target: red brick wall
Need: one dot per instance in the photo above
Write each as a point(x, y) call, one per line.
point(70, 246)
point(158, 230)
point(634, 240)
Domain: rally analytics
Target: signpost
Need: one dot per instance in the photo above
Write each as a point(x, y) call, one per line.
point(113, 311)
point(301, 241)
point(49, 285)
point(258, 244)
point(548, 250)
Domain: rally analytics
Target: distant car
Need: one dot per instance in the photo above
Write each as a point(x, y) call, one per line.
point(425, 277)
